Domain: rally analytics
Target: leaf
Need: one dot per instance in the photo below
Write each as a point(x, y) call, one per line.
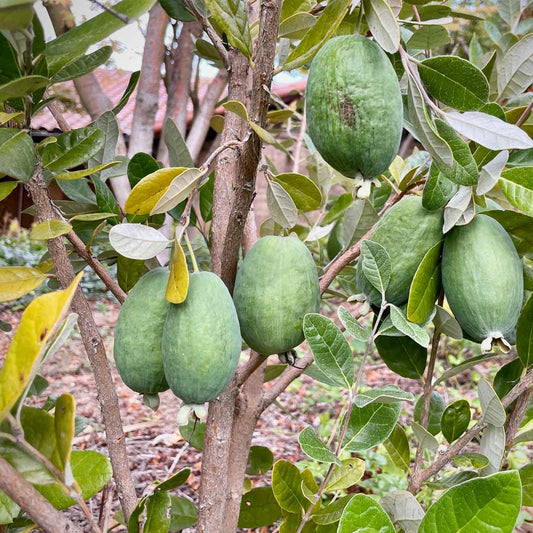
point(438, 189)
point(402, 355)
point(259, 508)
point(515, 70)
point(178, 153)
point(137, 241)
point(428, 37)
point(517, 224)
point(492, 446)
point(331, 513)
point(180, 187)
point(517, 186)
point(232, 18)
point(425, 287)
point(353, 328)
point(260, 460)
point(318, 35)
point(6, 188)
point(386, 394)
point(507, 377)
point(72, 148)
point(370, 425)
point(194, 433)
point(281, 206)
point(490, 173)
point(139, 166)
point(15, 282)
point(295, 26)
point(358, 219)
point(178, 282)
point(383, 24)
point(483, 504)
point(491, 406)
point(303, 191)
point(183, 513)
point(426, 440)
point(412, 330)
point(524, 334)
point(445, 323)
point(474, 460)
point(8, 509)
point(49, 229)
point(397, 447)
point(455, 82)
point(345, 475)
point(65, 412)
point(424, 129)
point(509, 11)
point(77, 174)
point(460, 209)
point(37, 326)
point(175, 480)
point(489, 131)
point(286, 485)
point(157, 515)
point(17, 155)
point(455, 420)
point(20, 87)
point(436, 409)
point(458, 369)
point(376, 265)
point(314, 448)
point(404, 510)
point(132, 83)
point(176, 9)
point(83, 65)
point(451, 481)
point(364, 514)
point(331, 351)
point(526, 478)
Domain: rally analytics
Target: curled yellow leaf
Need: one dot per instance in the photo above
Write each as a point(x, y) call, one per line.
point(178, 282)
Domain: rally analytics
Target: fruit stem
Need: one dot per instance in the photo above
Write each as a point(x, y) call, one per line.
point(191, 252)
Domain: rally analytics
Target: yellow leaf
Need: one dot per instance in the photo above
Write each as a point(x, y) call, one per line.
point(15, 282)
point(37, 326)
point(64, 427)
point(145, 195)
point(236, 107)
point(178, 282)
point(49, 229)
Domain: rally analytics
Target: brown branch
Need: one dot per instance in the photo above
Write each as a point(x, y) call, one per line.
point(114, 12)
point(38, 508)
point(515, 417)
point(94, 347)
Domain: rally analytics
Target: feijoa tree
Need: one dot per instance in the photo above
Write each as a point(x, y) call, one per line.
point(410, 192)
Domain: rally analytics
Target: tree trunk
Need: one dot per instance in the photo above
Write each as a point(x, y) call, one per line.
point(147, 100)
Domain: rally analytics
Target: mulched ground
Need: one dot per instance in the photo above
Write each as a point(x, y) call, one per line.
point(155, 447)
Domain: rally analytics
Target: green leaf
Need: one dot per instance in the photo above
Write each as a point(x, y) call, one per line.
point(104, 197)
point(425, 287)
point(6, 188)
point(412, 330)
point(183, 513)
point(455, 420)
point(194, 433)
point(157, 515)
point(332, 512)
point(132, 83)
point(385, 394)
point(491, 406)
point(176, 9)
point(295, 26)
point(436, 409)
point(83, 65)
point(404, 510)
point(370, 425)
point(305, 194)
point(314, 448)
point(517, 186)
point(345, 475)
point(526, 478)
point(178, 153)
point(17, 155)
point(428, 37)
point(49, 229)
point(517, 224)
point(232, 18)
point(65, 412)
point(447, 482)
point(507, 377)
point(376, 265)
point(8, 509)
point(454, 82)
point(259, 508)
point(77, 174)
point(489, 131)
point(464, 169)
point(509, 11)
point(260, 460)
point(365, 515)
point(397, 446)
point(72, 149)
point(492, 446)
point(383, 24)
point(479, 505)
point(490, 173)
point(446, 324)
point(281, 206)
point(358, 219)
point(474, 460)
point(426, 440)
point(524, 334)
point(137, 241)
point(438, 189)
point(331, 351)
point(402, 355)
point(339, 207)
point(22, 86)
point(318, 35)
point(175, 481)
point(9, 68)
point(286, 485)
point(352, 326)
point(458, 369)
point(139, 166)
point(526, 436)
point(515, 70)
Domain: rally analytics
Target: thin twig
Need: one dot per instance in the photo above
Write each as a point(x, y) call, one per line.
point(114, 12)
point(525, 114)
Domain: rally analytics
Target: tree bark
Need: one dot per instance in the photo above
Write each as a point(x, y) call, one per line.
point(94, 346)
point(147, 99)
point(38, 508)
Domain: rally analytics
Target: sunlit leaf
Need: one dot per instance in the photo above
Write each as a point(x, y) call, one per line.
point(15, 282)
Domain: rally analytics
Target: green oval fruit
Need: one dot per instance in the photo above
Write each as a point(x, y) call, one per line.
point(483, 280)
point(354, 106)
point(276, 286)
point(407, 231)
point(137, 348)
point(201, 341)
